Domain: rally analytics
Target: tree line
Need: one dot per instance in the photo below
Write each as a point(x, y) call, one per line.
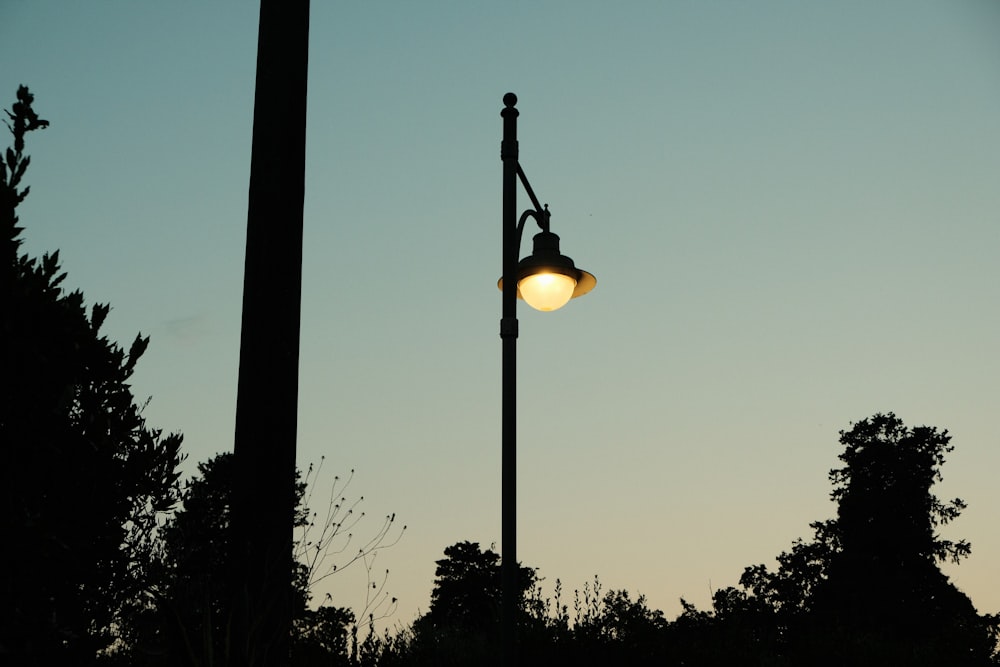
point(110, 558)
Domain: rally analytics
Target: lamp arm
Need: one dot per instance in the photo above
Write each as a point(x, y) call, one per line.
point(541, 215)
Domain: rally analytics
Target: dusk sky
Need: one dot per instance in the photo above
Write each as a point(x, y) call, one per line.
point(792, 210)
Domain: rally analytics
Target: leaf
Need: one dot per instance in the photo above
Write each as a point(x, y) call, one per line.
point(98, 314)
point(135, 352)
point(19, 172)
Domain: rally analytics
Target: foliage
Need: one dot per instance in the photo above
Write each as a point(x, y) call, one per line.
point(461, 626)
point(466, 590)
point(886, 512)
point(192, 622)
point(865, 590)
point(462, 623)
point(326, 553)
point(84, 479)
point(323, 636)
point(884, 582)
point(612, 628)
point(867, 587)
point(787, 594)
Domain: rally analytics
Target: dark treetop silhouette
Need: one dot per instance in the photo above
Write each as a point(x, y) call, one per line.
point(867, 589)
point(83, 478)
point(191, 623)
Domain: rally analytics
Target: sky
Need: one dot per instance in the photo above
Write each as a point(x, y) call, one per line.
point(791, 209)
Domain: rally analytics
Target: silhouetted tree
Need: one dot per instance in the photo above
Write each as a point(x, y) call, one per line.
point(195, 564)
point(613, 629)
point(885, 591)
point(192, 624)
point(867, 589)
point(466, 590)
point(323, 637)
point(461, 625)
point(83, 478)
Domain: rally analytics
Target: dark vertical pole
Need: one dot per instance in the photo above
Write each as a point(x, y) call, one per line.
point(267, 398)
point(508, 335)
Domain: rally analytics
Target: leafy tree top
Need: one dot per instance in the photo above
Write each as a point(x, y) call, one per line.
point(886, 511)
point(868, 583)
point(21, 119)
point(84, 478)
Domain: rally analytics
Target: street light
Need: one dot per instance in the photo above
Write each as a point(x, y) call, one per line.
point(546, 280)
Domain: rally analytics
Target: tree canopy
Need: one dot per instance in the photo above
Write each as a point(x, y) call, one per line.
point(866, 589)
point(84, 478)
point(191, 621)
point(868, 586)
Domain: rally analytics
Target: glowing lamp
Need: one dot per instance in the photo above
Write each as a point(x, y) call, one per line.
point(546, 291)
point(547, 280)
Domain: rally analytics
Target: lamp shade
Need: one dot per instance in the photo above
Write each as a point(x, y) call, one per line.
point(547, 280)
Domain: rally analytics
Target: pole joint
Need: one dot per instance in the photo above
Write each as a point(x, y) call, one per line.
point(508, 327)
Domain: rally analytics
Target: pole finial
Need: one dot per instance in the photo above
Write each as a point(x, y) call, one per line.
point(510, 99)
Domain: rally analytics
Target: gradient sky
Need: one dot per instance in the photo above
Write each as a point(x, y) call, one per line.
point(791, 208)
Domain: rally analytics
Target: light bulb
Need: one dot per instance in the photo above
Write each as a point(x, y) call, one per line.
point(546, 291)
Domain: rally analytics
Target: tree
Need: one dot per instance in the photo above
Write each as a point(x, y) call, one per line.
point(614, 629)
point(867, 589)
point(884, 583)
point(84, 479)
point(466, 590)
point(780, 600)
point(463, 620)
point(461, 625)
point(192, 623)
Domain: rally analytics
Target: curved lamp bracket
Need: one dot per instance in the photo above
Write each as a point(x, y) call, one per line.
point(541, 217)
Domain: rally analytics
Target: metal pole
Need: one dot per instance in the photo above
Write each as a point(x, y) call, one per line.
point(267, 396)
point(508, 335)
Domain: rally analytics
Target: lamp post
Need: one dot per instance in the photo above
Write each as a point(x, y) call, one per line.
point(546, 280)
